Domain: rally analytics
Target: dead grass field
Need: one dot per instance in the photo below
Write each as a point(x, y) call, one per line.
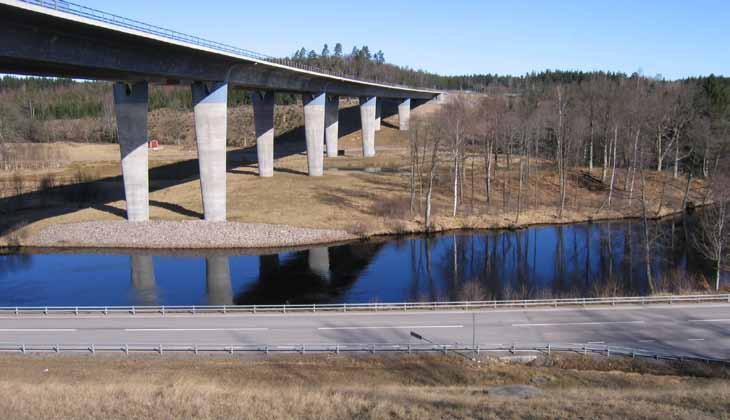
point(347, 197)
point(365, 387)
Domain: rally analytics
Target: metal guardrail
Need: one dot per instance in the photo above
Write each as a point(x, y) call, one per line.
point(464, 350)
point(359, 307)
point(101, 16)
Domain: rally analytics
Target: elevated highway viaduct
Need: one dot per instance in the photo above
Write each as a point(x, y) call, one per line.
point(62, 39)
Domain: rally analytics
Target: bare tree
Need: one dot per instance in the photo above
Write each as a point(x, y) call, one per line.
point(713, 235)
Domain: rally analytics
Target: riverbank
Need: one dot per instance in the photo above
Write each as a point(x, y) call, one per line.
point(357, 198)
point(335, 387)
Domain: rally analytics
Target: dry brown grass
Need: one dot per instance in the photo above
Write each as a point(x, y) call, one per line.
point(324, 387)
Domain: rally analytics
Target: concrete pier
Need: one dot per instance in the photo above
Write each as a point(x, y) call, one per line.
point(130, 106)
point(210, 108)
point(319, 262)
point(332, 124)
point(218, 280)
point(143, 280)
point(404, 115)
point(367, 115)
point(263, 116)
point(378, 112)
point(314, 132)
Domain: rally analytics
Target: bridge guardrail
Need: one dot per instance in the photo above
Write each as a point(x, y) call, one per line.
point(359, 307)
point(105, 17)
point(464, 350)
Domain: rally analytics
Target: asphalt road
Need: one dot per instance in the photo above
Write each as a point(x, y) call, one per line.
point(701, 330)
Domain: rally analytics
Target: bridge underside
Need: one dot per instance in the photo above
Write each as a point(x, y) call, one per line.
point(40, 44)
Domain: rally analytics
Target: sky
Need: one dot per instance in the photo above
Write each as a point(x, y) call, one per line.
point(671, 38)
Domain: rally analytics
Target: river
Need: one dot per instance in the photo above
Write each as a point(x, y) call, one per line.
point(577, 260)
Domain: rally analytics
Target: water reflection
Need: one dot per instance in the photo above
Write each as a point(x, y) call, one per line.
point(602, 259)
point(143, 280)
point(218, 280)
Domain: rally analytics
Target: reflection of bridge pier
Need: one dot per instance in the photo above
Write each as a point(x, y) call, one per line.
point(143, 279)
point(218, 279)
point(319, 262)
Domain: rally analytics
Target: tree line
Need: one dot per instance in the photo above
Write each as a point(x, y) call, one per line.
point(617, 134)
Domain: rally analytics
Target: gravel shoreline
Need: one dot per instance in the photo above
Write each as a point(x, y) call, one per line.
point(181, 235)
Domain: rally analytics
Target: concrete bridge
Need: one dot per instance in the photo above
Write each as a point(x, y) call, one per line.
point(62, 39)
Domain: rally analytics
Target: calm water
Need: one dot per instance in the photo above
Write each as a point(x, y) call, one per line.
point(601, 259)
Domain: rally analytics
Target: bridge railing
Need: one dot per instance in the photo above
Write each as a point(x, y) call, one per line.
point(116, 20)
point(469, 351)
point(360, 307)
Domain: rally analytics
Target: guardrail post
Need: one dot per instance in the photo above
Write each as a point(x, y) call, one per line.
point(555, 303)
point(225, 309)
point(344, 308)
point(126, 349)
point(284, 308)
point(314, 307)
point(162, 309)
point(193, 311)
point(17, 313)
point(57, 348)
point(106, 311)
point(22, 348)
point(45, 310)
point(77, 311)
point(409, 349)
point(548, 349)
point(608, 351)
point(444, 349)
point(134, 310)
point(477, 349)
point(337, 349)
point(671, 299)
point(230, 350)
point(404, 306)
point(266, 349)
point(93, 349)
point(585, 351)
point(372, 349)
point(254, 308)
point(303, 350)
point(160, 350)
point(195, 349)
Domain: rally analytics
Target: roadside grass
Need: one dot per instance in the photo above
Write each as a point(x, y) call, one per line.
point(336, 387)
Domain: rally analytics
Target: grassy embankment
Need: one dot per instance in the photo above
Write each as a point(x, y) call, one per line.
point(346, 198)
point(329, 387)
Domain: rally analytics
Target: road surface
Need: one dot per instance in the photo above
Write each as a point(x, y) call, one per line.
point(699, 330)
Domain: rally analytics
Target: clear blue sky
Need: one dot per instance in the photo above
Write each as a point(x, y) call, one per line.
point(674, 38)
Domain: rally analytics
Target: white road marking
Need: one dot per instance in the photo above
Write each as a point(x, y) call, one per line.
point(37, 329)
point(710, 320)
point(191, 329)
point(695, 339)
point(560, 324)
point(399, 327)
point(646, 341)
point(596, 342)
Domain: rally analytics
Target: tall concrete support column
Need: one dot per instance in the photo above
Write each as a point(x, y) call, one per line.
point(319, 262)
point(263, 115)
point(314, 132)
point(367, 115)
point(332, 124)
point(378, 112)
point(218, 280)
point(210, 108)
point(143, 279)
point(404, 114)
point(130, 106)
